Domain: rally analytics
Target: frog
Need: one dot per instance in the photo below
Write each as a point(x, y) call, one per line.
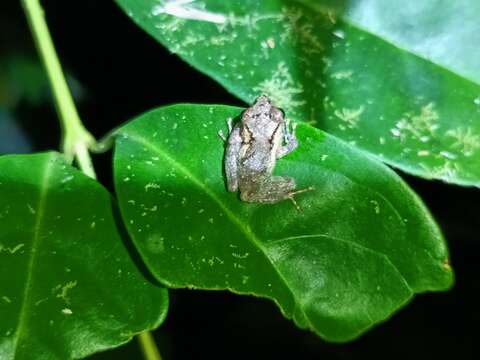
point(252, 149)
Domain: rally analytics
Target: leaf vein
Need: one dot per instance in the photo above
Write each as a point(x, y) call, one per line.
point(47, 171)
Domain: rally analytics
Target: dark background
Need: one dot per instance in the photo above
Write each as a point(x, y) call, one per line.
point(124, 72)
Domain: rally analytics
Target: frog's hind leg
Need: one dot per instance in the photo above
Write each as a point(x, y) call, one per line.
point(268, 190)
point(293, 193)
point(273, 190)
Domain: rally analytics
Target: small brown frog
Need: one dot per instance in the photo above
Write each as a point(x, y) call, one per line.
point(253, 147)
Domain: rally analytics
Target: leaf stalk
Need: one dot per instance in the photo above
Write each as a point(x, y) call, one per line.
point(76, 140)
point(148, 346)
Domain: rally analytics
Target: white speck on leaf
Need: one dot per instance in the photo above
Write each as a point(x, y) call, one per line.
point(376, 206)
point(67, 179)
point(339, 34)
point(31, 209)
point(395, 132)
point(421, 127)
point(151, 186)
point(465, 140)
point(340, 75)
point(448, 155)
point(446, 172)
point(350, 116)
point(63, 294)
point(67, 311)
point(240, 256)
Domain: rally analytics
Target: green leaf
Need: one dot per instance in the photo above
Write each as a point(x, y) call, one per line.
point(68, 285)
point(359, 249)
point(399, 80)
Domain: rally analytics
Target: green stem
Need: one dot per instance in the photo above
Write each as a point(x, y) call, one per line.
point(76, 139)
point(148, 346)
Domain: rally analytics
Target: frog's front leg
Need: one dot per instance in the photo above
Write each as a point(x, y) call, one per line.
point(234, 143)
point(291, 142)
point(230, 127)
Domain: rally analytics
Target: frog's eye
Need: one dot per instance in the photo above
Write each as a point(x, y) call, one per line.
point(277, 114)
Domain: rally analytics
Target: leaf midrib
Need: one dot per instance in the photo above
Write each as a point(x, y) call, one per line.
point(47, 171)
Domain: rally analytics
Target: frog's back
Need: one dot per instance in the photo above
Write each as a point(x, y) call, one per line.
point(259, 160)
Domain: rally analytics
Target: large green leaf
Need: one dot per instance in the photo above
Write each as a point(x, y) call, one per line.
point(68, 285)
point(399, 79)
point(359, 249)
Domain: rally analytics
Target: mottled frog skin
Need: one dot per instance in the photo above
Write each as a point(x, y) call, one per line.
point(253, 147)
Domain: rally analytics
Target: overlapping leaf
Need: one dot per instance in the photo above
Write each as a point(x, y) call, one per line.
point(398, 79)
point(361, 246)
point(68, 285)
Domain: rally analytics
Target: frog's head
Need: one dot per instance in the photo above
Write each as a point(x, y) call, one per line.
point(263, 106)
point(262, 121)
point(263, 101)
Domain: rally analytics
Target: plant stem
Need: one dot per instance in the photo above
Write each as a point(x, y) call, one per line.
point(76, 139)
point(148, 346)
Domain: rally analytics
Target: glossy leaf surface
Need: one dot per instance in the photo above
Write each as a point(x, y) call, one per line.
point(360, 247)
point(398, 79)
point(68, 285)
